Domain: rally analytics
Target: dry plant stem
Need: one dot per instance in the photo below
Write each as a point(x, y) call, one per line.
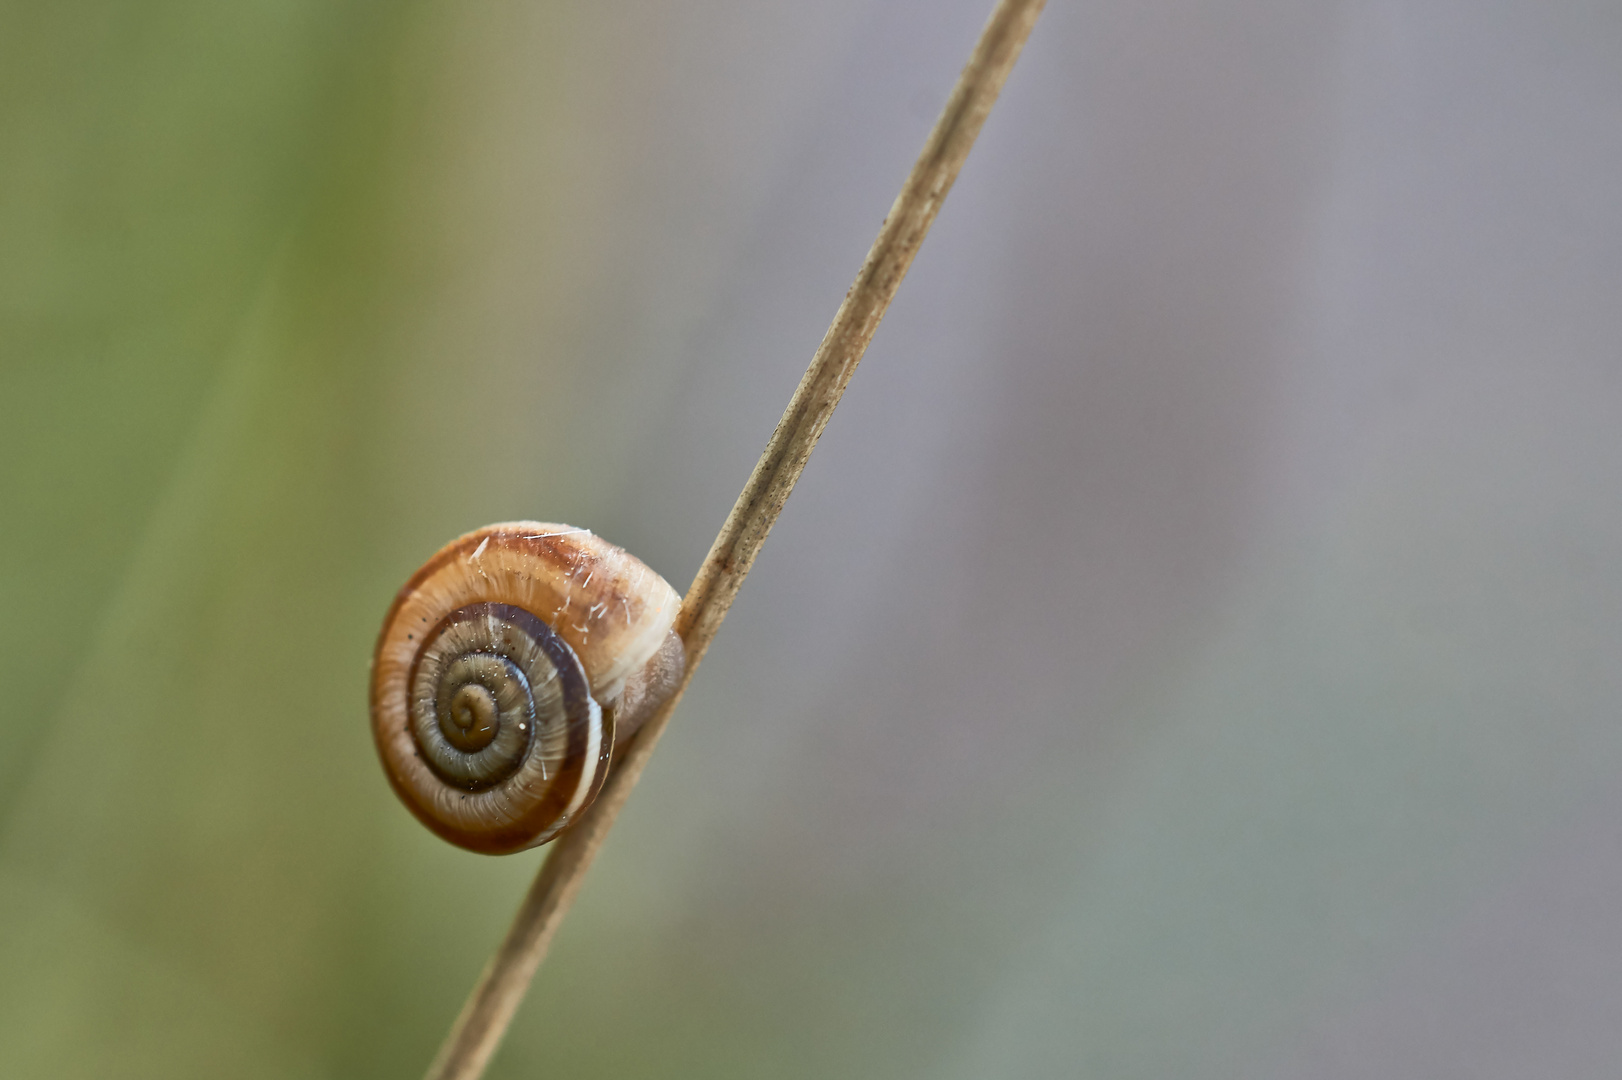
point(478, 1030)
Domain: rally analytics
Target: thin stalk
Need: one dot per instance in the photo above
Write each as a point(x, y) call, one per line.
point(484, 1019)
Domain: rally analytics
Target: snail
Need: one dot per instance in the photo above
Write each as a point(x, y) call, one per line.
point(506, 669)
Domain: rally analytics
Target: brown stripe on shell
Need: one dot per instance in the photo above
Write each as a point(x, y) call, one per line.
point(607, 606)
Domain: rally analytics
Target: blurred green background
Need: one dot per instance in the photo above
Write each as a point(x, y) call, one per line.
point(1193, 652)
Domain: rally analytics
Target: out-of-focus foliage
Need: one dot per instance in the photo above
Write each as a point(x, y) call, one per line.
point(191, 236)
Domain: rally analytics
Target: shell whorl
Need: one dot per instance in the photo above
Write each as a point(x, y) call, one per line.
point(498, 673)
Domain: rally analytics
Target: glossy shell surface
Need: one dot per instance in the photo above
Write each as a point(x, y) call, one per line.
point(497, 673)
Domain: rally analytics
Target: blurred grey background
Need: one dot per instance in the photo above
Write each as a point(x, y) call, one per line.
point(1192, 652)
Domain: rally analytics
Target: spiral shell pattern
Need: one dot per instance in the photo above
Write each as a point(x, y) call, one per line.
point(498, 673)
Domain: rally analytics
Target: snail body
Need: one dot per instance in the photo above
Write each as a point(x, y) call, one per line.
point(506, 669)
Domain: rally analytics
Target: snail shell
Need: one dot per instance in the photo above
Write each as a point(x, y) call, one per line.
point(505, 670)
